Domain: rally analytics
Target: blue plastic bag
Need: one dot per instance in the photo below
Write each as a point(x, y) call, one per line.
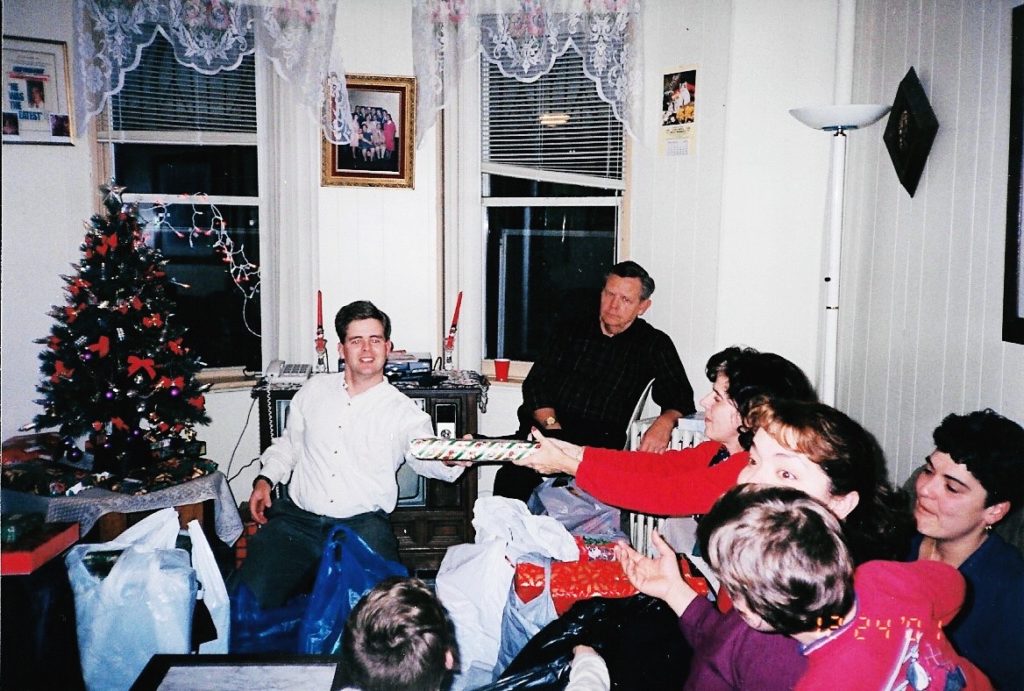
point(257, 630)
point(348, 569)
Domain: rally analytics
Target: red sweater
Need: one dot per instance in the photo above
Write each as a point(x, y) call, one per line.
point(901, 608)
point(674, 483)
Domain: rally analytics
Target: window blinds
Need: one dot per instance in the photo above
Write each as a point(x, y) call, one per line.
point(164, 101)
point(556, 123)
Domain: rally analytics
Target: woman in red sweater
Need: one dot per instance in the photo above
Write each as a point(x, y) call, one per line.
point(651, 482)
point(688, 482)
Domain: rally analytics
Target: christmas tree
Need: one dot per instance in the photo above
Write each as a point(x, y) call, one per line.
point(115, 366)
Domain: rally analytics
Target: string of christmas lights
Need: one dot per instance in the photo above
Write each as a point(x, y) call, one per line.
point(244, 273)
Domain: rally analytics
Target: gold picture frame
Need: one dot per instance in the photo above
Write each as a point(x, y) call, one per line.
point(37, 107)
point(383, 142)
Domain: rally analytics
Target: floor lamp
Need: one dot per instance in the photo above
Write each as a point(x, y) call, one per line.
point(836, 119)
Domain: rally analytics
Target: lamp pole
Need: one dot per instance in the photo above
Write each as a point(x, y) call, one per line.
point(836, 119)
point(827, 387)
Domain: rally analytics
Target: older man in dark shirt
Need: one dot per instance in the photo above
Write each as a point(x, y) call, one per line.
point(585, 386)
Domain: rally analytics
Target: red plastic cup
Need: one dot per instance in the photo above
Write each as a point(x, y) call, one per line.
point(501, 369)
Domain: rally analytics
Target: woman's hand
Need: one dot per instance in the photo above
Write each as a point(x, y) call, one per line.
point(554, 456)
point(657, 577)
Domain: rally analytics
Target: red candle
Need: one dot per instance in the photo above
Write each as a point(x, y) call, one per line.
point(319, 309)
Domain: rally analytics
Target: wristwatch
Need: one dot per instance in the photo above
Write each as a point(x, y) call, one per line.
point(550, 420)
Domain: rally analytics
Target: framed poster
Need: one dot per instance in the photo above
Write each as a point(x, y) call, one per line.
point(1013, 274)
point(37, 94)
point(383, 131)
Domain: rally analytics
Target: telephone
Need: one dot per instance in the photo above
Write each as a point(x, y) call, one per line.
point(279, 371)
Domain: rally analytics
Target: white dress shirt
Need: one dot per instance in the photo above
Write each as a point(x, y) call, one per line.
point(343, 452)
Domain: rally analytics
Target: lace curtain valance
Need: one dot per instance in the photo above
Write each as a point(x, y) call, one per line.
point(297, 36)
point(524, 37)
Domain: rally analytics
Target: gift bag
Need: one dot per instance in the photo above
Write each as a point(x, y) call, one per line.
point(348, 570)
point(134, 598)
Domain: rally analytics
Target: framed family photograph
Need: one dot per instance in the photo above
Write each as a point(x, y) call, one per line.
point(380, 153)
point(37, 95)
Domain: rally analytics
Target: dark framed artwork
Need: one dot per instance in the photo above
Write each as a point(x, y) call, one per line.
point(910, 131)
point(1013, 275)
point(380, 153)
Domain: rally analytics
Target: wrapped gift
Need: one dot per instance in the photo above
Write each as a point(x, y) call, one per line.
point(596, 574)
point(572, 581)
point(46, 479)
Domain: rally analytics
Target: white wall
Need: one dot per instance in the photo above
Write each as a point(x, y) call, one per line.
point(732, 234)
point(376, 243)
point(920, 330)
point(48, 192)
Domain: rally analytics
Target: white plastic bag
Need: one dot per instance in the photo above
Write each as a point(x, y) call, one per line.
point(212, 590)
point(474, 580)
point(142, 607)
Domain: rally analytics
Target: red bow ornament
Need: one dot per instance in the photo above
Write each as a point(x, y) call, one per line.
point(108, 242)
point(198, 402)
point(78, 285)
point(167, 382)
point(54, 342)
point(61, 372)
point(119, 424)
point(101, 347)
point(71, 313)
point(175, 347)
point(153, 320)
point(135, 363)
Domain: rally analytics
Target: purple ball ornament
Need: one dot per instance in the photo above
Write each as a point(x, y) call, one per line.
point(175, 391)
point(109, 395)
point(86, 356)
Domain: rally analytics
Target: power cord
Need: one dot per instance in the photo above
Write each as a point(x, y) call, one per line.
point(238, 443)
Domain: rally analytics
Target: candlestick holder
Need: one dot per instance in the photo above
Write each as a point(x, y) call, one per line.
point(322, 363)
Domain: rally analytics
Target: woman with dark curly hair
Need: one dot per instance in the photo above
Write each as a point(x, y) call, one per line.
point(969, 483)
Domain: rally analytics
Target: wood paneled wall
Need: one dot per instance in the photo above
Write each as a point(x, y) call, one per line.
point(922, 278)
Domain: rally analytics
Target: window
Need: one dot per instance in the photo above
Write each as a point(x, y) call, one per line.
point(552, 186)
point(184, 146)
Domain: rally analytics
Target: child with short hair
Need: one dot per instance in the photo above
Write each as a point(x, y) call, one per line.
point(399, 637)
point(782, 558)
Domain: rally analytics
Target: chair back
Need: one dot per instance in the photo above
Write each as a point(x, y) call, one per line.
point(688, 432)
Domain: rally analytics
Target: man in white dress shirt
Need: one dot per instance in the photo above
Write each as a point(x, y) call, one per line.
point(346, 437)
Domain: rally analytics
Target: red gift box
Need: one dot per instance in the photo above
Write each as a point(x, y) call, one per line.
point(572, 581)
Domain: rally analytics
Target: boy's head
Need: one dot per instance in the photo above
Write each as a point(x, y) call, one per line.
point(398, 638)
point(781, 556)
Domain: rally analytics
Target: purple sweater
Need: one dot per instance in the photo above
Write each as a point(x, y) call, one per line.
point(728, 654)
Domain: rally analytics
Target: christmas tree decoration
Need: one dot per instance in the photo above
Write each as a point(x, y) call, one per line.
point(116, 365)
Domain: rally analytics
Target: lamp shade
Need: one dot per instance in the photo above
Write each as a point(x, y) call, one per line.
point(840, 117)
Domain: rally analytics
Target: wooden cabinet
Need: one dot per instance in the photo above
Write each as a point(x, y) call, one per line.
point(431, 515)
